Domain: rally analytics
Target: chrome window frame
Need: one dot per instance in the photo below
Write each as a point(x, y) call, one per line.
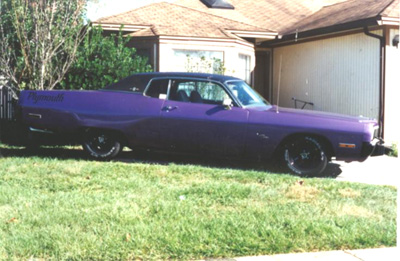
point(236, 102)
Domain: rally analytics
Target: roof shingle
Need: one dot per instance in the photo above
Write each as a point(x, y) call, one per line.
point(176, 20)
point(192, 18)
point(392, 10)
point(274, 14)
point(349, 11)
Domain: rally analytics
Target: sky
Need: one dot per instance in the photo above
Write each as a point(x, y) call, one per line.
point(110, 7)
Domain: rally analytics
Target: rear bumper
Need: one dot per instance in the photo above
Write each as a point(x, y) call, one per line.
point(375, 148)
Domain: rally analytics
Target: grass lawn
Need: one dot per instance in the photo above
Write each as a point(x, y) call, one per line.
point(55, 207)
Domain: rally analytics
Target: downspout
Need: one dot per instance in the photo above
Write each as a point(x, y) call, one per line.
point(382, 69)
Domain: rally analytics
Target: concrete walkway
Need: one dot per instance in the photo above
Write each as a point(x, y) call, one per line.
point(379, 254)
point(383, 170)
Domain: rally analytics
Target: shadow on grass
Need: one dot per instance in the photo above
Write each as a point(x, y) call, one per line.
point(142, 156)
point(43, 152)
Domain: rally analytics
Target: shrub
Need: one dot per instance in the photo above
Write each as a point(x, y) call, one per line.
point(103, 60)
point(395, 151)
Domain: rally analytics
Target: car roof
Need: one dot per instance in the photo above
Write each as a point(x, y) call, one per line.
point(140, 80)
point(215, 77)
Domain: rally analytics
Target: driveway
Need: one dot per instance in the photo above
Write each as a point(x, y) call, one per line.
point(383, 170)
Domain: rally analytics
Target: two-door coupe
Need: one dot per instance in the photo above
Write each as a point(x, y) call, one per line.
point(202, 114)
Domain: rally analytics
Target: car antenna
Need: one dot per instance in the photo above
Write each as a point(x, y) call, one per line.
point(279, 83)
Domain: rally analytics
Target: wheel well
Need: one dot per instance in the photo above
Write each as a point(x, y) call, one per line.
point(118, 134)
point(326, 144)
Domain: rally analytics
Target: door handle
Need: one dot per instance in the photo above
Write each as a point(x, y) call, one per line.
point(170, 108)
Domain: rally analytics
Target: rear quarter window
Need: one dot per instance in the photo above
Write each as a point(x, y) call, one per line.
point(158, 89)
point(130, 84)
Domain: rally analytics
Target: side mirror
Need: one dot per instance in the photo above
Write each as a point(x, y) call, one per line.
point(227, 103)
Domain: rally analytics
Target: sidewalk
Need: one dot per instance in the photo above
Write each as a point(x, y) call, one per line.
point(381, 170)
point(379, 254)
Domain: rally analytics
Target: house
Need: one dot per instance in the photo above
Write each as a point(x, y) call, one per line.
point(340, 55)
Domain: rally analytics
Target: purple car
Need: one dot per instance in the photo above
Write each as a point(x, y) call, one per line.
point(202, 114)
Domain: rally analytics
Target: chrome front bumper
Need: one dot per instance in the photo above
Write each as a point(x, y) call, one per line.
point(375, 148)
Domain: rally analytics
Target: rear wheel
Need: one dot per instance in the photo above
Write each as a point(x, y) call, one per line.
point(101, 145)
point(305, 156)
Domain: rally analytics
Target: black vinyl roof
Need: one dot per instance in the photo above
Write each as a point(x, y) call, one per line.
point(138, 82)
point(222, 4)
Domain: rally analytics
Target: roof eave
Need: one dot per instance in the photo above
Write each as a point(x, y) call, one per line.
point(389, 21)
point(254, 34)
point(238, 40)
point(296, 36)
point(117, 27)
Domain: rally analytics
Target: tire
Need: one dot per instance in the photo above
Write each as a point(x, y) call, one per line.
point(305, 156)
point(101, 145)
point(31, 142)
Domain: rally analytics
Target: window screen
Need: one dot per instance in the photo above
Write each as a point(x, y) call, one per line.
point(197, 61)
point(244, 69)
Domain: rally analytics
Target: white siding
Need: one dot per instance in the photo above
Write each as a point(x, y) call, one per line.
point(338, 74)
point(392, 92)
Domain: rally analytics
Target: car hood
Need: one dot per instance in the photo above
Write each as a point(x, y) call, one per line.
point(321, 115)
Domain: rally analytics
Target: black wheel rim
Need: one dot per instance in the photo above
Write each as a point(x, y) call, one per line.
point(101, 144)
point(304, 155)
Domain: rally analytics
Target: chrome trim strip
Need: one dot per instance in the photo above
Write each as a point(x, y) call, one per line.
point(39, 130)
point(34, 115)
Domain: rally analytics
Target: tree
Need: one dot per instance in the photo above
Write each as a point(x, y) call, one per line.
point(102, 60)
point(39, 40)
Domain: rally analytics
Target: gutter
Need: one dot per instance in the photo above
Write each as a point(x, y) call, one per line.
point(117, 27)
point(254, 34)
point(284, 39)
point(382, 69)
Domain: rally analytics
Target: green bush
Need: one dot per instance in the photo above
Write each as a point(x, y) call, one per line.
point(102, 60)
point(395, 151)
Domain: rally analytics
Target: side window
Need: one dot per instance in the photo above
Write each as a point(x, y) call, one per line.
point(212, 93)
point(130, 84)
point(197, 92)
point(158, 89)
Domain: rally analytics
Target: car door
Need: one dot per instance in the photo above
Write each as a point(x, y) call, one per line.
point(145, 128)
point(194, 119)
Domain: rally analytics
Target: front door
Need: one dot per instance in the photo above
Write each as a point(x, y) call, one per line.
point(194, 119)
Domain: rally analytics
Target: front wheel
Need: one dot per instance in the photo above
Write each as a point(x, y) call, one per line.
point(101, 145)
point(305, 156)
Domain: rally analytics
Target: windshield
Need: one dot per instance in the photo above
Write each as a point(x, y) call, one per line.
point(247, 96)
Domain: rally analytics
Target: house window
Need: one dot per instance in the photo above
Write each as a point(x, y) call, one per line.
point(198, 61)
point(244, 68)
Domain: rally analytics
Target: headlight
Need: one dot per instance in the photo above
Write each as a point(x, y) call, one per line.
point(373, 131)
point(376, 131)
